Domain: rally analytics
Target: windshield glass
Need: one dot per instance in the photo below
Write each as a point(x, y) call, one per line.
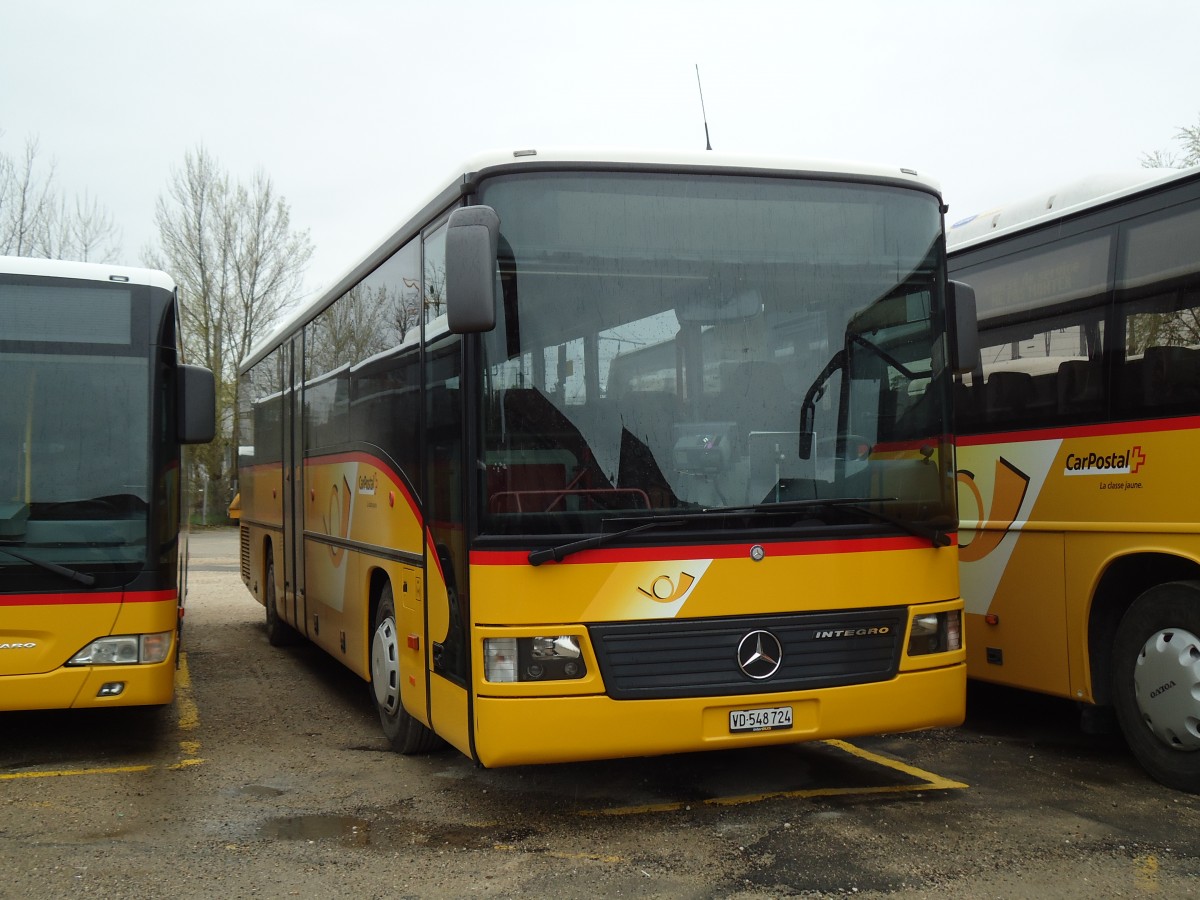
point(74, 432)
point(669, 343)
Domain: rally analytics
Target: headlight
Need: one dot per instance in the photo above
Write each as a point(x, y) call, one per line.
point(935, 633)
point(124, 650)
point(533, 659)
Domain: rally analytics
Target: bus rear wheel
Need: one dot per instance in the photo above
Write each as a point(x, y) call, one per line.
point(404, 733)
point(1156, 682)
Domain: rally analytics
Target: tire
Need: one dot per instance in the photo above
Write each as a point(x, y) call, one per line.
point(404, 733)
point(1156, 682)
point(279, 632)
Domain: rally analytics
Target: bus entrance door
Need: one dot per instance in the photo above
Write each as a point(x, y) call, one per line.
point(293, 488)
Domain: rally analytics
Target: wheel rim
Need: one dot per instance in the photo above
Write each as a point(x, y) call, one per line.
point(1166, 683)
point(385, 666)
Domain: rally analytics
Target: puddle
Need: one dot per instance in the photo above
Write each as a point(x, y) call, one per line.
point(348, 830)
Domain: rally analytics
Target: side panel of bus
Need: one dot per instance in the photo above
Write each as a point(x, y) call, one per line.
point(1039, 534)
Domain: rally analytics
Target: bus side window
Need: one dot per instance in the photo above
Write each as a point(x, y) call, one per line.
point(1008, 394)
point(1158, 290)
point(1079, 388)
point(1161, 369)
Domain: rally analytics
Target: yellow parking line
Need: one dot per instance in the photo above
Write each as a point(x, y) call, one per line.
point(189, 748)
point(59, 773)
point(934, 782)
point(929, 782)
point(189, 716)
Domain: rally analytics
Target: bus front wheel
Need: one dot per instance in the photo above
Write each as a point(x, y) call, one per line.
point(404, 733)
point(1156, 682)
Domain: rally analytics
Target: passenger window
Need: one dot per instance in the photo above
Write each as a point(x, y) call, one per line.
point(1160, 370)
point(1035, 375)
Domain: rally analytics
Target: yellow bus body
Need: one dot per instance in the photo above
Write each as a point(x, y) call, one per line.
point(1040, 529)
point(60, 626)
point(604, 454)
point(1080, 540)
point(340, 582)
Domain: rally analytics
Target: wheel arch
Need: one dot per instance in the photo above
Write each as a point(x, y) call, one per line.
point(1123, 581)
point(268, 560)
point(377, 580)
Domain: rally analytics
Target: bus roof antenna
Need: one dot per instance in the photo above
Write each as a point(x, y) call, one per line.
point(704, 115)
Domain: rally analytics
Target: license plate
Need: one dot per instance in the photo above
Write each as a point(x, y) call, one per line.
point(773, 718)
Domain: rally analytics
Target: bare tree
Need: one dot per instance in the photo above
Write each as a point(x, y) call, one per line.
point(231, 248)
point(353, 329)
point(36, 220)
point(25, 202)
point(1188, 154)
point(406, 313)
point(90, 229)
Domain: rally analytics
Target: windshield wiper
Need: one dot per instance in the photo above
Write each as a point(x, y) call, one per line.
point(562, 551)
point(935, 535)
point(790, 505)
point(79, 577)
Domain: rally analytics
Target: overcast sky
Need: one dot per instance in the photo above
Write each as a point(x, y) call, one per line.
point(359, 109)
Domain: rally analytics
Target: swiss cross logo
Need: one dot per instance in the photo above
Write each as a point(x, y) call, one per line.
point(1136, 459)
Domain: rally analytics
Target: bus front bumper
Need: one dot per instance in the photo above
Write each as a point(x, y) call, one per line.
point(529, 730)
point(86, 687)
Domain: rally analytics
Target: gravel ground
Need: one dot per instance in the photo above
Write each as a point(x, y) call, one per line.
point(269, 778)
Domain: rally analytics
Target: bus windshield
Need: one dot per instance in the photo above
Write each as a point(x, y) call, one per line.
point(74, 429)
point(668, 344)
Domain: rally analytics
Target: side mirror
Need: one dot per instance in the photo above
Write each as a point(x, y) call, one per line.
point(471, 239)
point(197, 405)
point(963, 327)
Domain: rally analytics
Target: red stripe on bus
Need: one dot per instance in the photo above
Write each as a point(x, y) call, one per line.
point(1107, 429)
point(913, 444)
point(711, 551)
point(91, 598)
point(359, 456)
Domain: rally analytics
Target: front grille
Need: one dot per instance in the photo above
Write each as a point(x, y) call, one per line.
point(698, 657)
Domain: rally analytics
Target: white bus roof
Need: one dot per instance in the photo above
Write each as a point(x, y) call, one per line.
point(62, 268)
point(690, 158)
point(491, 162)
point(1047, 206)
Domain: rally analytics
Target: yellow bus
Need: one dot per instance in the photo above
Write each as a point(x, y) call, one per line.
point(606, 455)
point(96, 406)
point(1080, 538)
